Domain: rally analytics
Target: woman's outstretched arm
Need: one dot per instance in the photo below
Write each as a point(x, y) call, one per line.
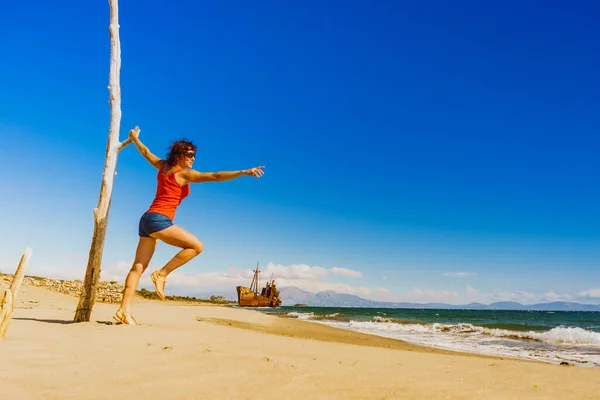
point(152, 159)
point(197, 177)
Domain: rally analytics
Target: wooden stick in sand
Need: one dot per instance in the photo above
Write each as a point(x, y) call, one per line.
point(92, 273)
point(8, 296)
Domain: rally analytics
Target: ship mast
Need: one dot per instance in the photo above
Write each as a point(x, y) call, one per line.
point(257, 271)
point(254, 284)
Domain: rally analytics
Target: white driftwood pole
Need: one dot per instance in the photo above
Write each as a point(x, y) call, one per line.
point(92, 274)
point(9, 296)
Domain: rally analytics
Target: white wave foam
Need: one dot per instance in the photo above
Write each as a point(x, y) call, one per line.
point(557, 336)
point(572, 344)
point(309, 316)
point(564, 335)
point(304, 316)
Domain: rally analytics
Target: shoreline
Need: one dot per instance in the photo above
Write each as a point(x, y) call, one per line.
point(191, 351)
point(288, 327)
point(319, 330)
point(291, 327)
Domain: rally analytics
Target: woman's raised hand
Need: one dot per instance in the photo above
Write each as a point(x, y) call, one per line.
point(257, 172)
point(134, 133)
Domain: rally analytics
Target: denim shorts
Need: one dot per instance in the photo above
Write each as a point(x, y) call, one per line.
point(153, 222)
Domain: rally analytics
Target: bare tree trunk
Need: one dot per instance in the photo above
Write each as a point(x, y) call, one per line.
point(92, 274)
point(9, 296)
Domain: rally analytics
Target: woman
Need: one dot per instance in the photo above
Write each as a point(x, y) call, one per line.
point(174, 178)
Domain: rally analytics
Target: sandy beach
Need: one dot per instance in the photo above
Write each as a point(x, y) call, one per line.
point(184, 351)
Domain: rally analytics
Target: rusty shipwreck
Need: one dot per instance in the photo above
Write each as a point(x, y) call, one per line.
point(249, 296)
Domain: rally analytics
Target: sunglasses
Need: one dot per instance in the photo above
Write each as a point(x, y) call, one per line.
point(190, 155)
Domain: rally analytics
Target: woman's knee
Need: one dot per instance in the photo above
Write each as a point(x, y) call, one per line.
point(138, 267)
point(197, 246)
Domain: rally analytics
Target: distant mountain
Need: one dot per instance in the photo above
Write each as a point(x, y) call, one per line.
point(505, 305)
point(476, 306)
point(292, 295)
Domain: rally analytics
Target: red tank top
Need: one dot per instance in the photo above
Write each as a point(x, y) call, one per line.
point(169, 194)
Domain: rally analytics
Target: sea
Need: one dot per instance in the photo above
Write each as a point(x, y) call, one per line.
point(555, 337)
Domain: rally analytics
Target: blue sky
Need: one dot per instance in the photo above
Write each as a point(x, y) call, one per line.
point(421, 151)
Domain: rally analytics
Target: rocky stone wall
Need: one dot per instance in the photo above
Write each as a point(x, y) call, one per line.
point(108, 292)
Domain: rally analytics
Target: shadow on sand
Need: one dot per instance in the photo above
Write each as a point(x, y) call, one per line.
point(47, 321)
point(60, 321)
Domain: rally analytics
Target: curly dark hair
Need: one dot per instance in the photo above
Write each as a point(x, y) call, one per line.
point(178, 148)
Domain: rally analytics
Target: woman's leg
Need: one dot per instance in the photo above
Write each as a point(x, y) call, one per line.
point(143, 255)
point(175, 236)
